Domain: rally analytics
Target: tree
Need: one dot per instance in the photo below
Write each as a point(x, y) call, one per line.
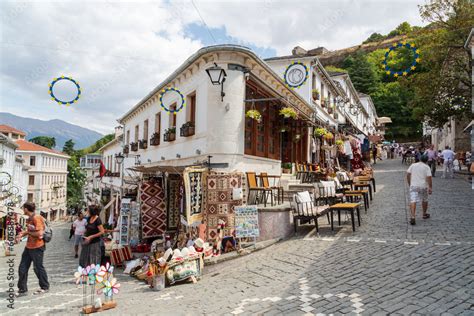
point(76, 179)
point(69, 147)
point(446, 77)
point(402, 29)
point(374, 37)
point(45, 141)
point(363, 74)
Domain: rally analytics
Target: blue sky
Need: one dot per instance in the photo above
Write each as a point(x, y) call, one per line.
point(119, 51)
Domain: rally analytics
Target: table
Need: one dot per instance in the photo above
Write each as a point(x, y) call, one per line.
point(347, 207)
point(364, 185)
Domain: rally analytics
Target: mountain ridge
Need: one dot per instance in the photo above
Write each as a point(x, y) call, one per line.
point(59, 129)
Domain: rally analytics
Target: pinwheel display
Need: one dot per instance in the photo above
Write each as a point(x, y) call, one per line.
point(80, 275)
point(111, 287)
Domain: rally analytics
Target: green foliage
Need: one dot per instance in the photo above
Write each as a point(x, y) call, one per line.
point(45, 141)
point(374, 37)
point(363, 74)
point(68, 147)
point(76, 179)
point(402, 29)
point(334, 69)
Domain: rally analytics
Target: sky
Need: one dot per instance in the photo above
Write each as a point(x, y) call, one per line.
point(119, 51)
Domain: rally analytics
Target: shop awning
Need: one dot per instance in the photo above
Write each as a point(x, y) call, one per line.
point(469, 127)
point(384, 120)
point(154, 167)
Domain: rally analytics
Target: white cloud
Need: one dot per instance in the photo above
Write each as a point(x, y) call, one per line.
point(119, 51)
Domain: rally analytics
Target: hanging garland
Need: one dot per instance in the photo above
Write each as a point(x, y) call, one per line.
point(294, 76)
point(53, 97)
point(182, 105)
point(416, 59)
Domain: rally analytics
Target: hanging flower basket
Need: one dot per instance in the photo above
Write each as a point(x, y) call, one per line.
point(315, 94)
point(254, 115)
point(288, 112)
point(329, 136)
point(320, 132)
point(339, 142)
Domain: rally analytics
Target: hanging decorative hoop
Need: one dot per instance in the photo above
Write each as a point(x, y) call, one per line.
point(412, 67)
point(179, 108)
point(295, 75)
point(54, 98)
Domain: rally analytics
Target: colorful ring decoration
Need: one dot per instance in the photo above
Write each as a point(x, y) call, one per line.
point(289, 72)
point(183, 102)
point(53, 97)
point(405, 72)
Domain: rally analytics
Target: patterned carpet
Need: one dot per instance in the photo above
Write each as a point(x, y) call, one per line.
point(153, 208)
point(175, 184)
point(195, 191)
point(219, 204)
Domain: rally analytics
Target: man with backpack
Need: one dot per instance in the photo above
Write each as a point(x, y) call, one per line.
point(34, 251)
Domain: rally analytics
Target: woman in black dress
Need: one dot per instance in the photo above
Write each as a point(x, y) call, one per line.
point(91, 253)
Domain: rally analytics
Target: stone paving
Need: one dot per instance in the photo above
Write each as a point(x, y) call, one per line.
point(385, 267)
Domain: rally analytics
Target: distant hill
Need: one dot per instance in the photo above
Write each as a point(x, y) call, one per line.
point(58, 129)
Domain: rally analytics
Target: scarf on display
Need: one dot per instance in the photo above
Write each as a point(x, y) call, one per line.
point(356, 161)
point(194, 186)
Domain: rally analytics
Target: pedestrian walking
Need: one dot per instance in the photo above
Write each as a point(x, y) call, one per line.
point(448, 158)
point(79, 230)
point(432, 158)
point(91, 252)
point(34, 252)
point(420, 183)
point(374, 153)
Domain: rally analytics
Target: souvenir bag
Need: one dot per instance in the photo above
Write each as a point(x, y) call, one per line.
point(48, 232)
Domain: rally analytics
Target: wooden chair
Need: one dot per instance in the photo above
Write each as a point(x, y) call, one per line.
point(305, 209)
point(254, 187)
point(266, 184)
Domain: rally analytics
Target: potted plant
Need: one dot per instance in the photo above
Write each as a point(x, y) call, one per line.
point(133, 146)
point(336, 115)
point(319, 132)
point(187, 129)
point(170, 134)
point(339, 142)
point(330, 109)
point(143, 143)
point(126, 149)
point(288, 112)
point(325, 102)
point(254, 115)
point(286, 167)
point(155, 139)
point(315, 94)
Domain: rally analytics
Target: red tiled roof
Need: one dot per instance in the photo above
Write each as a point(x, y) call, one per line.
point(8, 129)
point(28, 146)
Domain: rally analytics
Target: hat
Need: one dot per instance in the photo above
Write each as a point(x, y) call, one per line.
point(168, 254)
point(199, 243)
point(177, 255)
point(185, 252)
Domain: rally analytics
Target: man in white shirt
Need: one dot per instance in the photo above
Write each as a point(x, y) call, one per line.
point(79, 230)
point(448, 158)
point(420, 183)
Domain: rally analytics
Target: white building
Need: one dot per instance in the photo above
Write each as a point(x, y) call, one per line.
point(14, 169)
point(90, 163)
point(47, 179)
point(220, 126)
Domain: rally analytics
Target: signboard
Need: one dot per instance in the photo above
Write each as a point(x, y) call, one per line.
point(246, 221)
point(124, 229)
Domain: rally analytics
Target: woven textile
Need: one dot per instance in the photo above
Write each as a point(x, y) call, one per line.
point(174, 201)
point(153, 208)
point(195, 191)
point(220, 204)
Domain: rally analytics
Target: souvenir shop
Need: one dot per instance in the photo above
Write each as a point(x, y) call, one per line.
point(182, 216)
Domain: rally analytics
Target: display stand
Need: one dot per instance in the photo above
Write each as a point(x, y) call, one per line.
point(105, 306)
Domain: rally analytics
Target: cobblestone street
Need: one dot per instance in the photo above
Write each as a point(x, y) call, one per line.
point(385, 267)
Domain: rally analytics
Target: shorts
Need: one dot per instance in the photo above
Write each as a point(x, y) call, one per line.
point(77, 240)
point(418, 194)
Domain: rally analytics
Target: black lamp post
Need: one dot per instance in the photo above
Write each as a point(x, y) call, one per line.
point(119, 158)
point(217, 76)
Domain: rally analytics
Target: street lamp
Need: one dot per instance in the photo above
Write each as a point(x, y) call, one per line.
point(217, 76)
point(119, 158)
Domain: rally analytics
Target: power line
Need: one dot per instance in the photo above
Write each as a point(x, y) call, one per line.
point(204, 22)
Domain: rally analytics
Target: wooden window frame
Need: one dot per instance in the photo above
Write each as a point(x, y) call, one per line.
point(32, 160)
point(172, 118)
point(145, 129)
point(137, 131)
point(30, 182)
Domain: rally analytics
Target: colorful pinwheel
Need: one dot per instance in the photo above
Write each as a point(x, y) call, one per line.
point(91, 273)
point(80, 275)
point(111, 287)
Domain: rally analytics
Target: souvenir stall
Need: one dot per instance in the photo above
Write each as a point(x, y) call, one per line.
point(184, 218)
